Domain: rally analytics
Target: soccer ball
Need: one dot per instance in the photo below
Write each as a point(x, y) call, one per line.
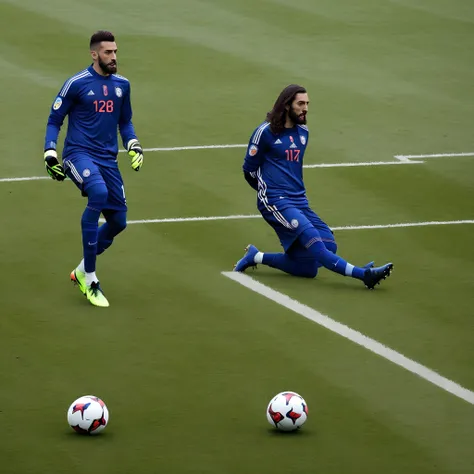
point(88, 415)
point(287, 411)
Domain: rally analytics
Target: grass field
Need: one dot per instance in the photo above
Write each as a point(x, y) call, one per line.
point(185, 358)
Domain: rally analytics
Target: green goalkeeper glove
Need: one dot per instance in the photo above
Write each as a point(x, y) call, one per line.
point(53, 167)
point(135, 151)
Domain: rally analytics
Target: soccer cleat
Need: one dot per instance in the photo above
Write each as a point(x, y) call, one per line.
point(96, 296)
point(373, 276)
point(79, 279)
point(247, 260)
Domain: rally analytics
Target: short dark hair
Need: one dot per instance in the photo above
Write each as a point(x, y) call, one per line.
point(100, 36)
point(277, 115)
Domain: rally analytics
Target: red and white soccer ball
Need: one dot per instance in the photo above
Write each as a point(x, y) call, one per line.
point(287, 411)
point(88, 415)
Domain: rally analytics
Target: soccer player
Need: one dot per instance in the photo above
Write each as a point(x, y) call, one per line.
point(273, 166)
point(97, 103)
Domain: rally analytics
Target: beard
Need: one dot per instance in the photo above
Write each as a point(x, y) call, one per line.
point(109, 68)
point(297, 119)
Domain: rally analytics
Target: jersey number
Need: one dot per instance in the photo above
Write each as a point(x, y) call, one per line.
point(292, 155)
point(104, 105)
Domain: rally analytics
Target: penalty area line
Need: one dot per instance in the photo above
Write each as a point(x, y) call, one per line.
point(352, 335)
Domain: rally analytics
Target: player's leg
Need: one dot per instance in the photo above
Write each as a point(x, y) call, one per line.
point(115, 212)
point(294, 261)
point(305, 250)
point(327, 235)
point(311, 240)
point(87, 177)
point(115, 222)
point(288, 224)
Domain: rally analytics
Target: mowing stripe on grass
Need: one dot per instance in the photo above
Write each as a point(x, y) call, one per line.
point(353, 335)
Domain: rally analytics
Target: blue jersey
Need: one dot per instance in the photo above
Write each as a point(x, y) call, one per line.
point(97, 107)
point(276, 160)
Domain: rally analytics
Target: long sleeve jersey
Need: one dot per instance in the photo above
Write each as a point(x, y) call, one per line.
point(275, 162)
point(97, 108)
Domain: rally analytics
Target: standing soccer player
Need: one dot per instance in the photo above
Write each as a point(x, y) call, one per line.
point(273, 166)
point(97, 102)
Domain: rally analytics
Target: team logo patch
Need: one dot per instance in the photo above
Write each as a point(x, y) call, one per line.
point(303, 139)
point(105, 90)
point(86, 173)
point(57, 103)
point(294, 223)
point(118, 92)
point(253, 150)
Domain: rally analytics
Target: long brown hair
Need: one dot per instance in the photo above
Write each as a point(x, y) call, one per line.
point(277, 116)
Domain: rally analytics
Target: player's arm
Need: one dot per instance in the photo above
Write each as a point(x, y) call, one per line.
point(59, 110)
point(127, 132)
point(251, 178)
point(253, 159)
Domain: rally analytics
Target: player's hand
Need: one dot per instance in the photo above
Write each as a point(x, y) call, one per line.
point(135, 151)
point(53, 167)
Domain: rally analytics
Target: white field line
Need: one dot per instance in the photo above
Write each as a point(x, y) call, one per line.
point(401, 159)
point(360, 163)
point(436, 155)
point(318, 165)
point(256, 216)
point(197, 147)
point(355, 336)
point(27, 178)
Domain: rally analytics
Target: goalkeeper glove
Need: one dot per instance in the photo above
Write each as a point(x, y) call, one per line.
point(53, 167)
point(135, 151)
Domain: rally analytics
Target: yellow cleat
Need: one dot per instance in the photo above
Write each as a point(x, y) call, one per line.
point(79, 279)
point(96, 296)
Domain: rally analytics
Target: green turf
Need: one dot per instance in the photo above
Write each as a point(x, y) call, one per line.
point(186, 359)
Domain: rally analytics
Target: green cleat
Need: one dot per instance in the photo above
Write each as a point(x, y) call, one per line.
point(79, 279)
point(95, 295)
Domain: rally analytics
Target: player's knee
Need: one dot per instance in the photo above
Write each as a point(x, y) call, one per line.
point(315, 250)
point(308, 268)
point(97, 196)
point(310, 272)
point(119, 222)
point(331, 246)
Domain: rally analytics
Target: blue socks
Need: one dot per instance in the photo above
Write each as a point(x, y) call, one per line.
point(116, 223)
point(95, 239)
point(307, 268)
point(97, 199)
point(90, 231)
point(311, 239)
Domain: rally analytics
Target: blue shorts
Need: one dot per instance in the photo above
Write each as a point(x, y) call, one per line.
point(291, 222)
point(85, 172)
